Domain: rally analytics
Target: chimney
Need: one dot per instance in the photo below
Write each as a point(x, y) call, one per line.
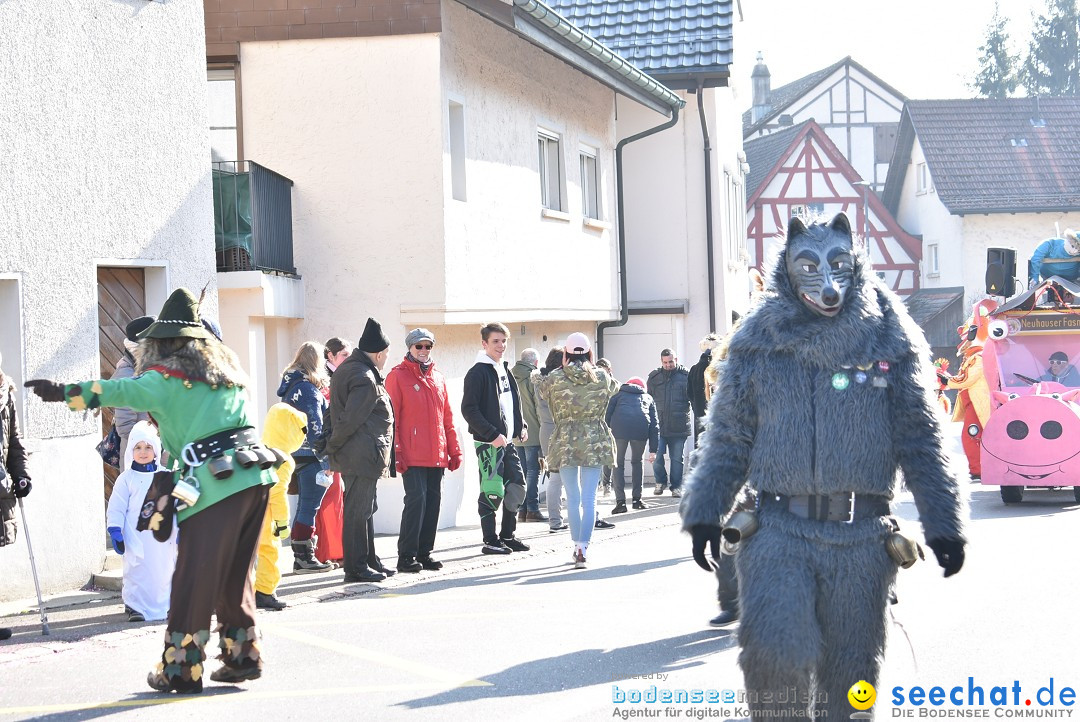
point(762, 88)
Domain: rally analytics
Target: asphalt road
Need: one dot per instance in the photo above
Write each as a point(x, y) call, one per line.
point(529, 637)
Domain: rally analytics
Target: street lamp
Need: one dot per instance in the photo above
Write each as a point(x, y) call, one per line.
point(865, 210)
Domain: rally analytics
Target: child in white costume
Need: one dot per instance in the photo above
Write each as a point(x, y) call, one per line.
point(148, 564)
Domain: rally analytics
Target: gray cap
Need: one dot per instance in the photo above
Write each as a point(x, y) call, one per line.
point(417, 335)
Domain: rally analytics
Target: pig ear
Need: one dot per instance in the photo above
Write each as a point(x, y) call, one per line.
point(1000, 397)
point(1071, 396)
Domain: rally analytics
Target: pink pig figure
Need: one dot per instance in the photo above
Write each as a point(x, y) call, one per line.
point(1032, 439)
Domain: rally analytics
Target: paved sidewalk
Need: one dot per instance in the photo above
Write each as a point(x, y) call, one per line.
point(79, 614)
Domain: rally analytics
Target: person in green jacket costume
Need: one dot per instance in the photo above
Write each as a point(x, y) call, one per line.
point(194, 388)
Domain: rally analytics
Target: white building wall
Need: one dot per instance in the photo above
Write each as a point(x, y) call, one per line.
point(106, 159)
point(497, 240)
point(667, 261)
point(963, 240)
point(376, 228)
point(1022, 231)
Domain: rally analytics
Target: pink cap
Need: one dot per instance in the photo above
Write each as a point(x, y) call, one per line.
point(636, 381)
point(577, 343)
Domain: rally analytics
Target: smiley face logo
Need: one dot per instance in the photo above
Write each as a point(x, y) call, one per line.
point(862, 695)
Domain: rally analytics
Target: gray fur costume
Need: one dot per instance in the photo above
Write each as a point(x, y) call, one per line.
point(813, 594)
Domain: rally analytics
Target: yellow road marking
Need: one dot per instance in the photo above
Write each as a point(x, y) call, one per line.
point(381, 658)
point(395, 618)
point(246, 696)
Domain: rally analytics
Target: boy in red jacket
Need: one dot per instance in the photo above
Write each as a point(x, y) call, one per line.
point(425, 444)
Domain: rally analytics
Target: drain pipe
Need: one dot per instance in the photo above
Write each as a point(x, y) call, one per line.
point(708, 205)
point(624, 303)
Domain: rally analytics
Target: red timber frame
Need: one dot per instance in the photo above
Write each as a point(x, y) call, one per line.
point(814, 171)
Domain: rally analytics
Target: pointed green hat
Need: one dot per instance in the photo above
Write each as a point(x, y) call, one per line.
point(179, 318)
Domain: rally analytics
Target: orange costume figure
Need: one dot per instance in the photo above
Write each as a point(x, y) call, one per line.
point(973, 399)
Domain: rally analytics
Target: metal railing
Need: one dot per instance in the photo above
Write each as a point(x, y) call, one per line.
point(252, 218)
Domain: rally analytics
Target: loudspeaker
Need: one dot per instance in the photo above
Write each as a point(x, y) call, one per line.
point(1000, 271)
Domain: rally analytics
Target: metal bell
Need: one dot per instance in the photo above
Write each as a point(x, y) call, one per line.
point(246, 457)
point(187, 490)
point(266, 457)
point(220, 467)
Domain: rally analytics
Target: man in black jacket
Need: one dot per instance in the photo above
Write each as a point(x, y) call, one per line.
point(14, 480)
point(491, 407)
point(668, 386)
point(695, 383)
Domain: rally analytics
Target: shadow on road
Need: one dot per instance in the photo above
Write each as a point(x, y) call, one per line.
point(986, 503)
point(587, 667)
point(135, 704)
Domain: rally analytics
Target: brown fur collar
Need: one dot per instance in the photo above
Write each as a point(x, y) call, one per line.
point(197, 360)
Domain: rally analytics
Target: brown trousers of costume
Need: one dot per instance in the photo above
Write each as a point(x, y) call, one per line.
point(215, 558)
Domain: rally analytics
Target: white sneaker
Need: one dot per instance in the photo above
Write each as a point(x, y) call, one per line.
point(676, 493)
point(579, 559)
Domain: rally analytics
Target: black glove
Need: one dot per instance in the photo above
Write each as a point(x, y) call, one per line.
point(47, 390)
point(21, 487)
point(706, 534)
point(949, 553)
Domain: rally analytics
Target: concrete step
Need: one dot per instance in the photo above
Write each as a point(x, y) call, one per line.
point(111, 576)
point(113, 561)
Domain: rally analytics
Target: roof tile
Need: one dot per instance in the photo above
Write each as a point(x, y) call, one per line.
point(658, 35)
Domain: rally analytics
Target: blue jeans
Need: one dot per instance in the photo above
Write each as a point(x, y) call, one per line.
point(530, 462)
point(675, 445)
point(311, 494)
point(580, 483)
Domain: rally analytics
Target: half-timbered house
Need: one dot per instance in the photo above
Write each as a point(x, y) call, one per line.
point(857, 110)
point(799, 171)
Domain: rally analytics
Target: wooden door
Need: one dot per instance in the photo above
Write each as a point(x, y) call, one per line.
point(121, 298)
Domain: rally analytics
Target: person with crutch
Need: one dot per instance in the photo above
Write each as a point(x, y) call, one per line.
point(14, 480)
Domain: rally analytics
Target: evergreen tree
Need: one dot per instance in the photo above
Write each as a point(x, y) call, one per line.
point(997, 75)
point(1052, 66)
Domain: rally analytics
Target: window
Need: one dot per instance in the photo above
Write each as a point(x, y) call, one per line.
point(590, 186)
point(884, 142)
point(457, 150)
point(550, 170)
point(933, 267)
point(11, 341)
point(221, 97)
point(922, 179)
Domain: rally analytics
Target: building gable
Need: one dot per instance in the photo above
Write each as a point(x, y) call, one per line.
point(1015, 155)
point(810, 176)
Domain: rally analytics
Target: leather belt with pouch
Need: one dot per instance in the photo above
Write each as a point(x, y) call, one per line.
point(844, 507)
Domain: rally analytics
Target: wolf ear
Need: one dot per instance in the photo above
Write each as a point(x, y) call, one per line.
point(795, 227)
point(841, 223)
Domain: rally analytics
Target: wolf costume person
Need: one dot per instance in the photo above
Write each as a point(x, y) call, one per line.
point(815, 579)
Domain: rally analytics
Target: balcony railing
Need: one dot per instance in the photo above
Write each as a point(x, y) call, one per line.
point(252, 218)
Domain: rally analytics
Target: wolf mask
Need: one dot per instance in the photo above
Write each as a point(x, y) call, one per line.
point(820, 263)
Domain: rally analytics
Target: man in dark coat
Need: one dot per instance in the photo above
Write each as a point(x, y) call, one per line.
point(14, 479)
point(668, 387)
point(822, 400)
point(361, 440)
point(696, 386)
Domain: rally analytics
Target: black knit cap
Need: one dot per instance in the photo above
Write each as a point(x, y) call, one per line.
point(373, 340)
point(137, 326)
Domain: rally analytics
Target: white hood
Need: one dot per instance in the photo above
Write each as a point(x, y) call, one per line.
point(142, 431)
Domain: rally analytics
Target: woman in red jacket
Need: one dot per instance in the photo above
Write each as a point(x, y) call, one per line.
point(425, 445)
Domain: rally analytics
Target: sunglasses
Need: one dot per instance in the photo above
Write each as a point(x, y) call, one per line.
point(1059, 362)
point(422, 346)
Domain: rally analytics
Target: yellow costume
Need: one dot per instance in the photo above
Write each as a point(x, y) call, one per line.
point(285, 429)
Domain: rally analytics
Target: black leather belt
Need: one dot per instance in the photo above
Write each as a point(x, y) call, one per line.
point(843, 506)
point(197, 452)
